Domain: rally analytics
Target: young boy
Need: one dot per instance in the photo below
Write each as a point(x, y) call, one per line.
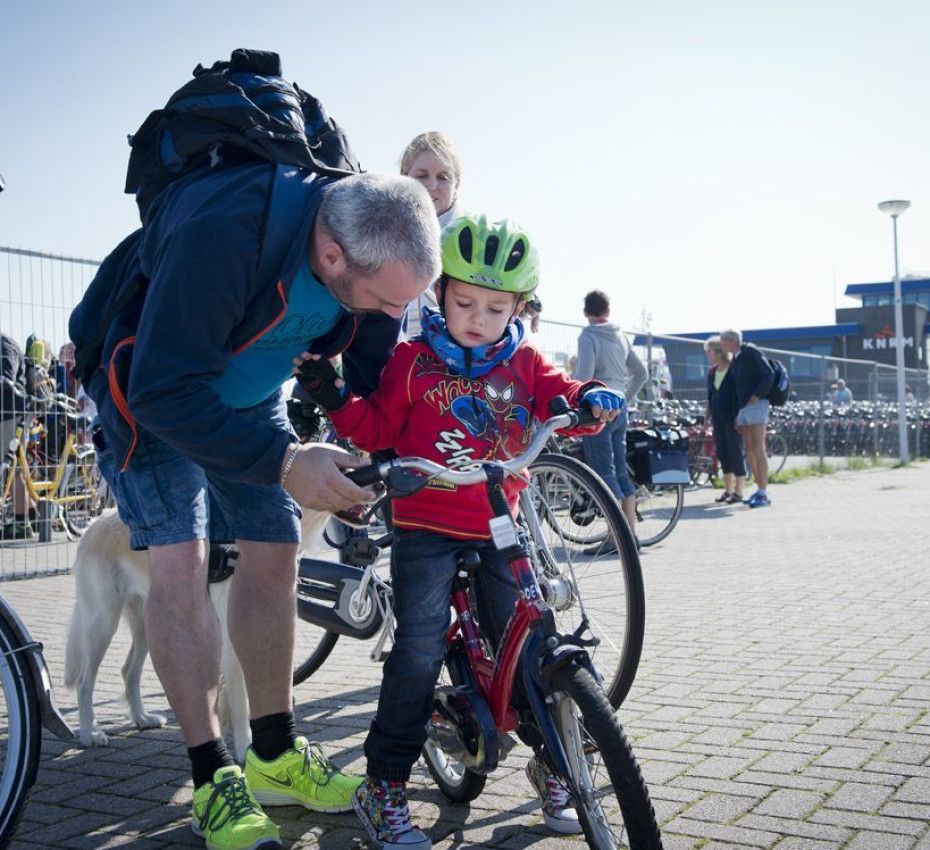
point(467, 389)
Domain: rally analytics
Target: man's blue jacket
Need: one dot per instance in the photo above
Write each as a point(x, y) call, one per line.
point(220, 252)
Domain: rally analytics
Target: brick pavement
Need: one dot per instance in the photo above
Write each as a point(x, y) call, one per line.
point(783, 700)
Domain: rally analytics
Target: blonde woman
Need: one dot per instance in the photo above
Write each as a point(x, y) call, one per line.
point(432, 160)
point(721, 411)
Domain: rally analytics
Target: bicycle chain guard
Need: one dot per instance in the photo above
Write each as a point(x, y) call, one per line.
point(462, 725)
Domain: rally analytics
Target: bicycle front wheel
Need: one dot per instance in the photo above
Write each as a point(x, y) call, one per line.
point(20, 731)
point(587, 570)
point(658, 509)
point(607, 785)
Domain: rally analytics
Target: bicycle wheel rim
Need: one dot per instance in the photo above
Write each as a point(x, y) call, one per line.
point(580, 579)
point(658, 509)
point(20, 733)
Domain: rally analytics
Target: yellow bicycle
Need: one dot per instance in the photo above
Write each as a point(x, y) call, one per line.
point(66, 488)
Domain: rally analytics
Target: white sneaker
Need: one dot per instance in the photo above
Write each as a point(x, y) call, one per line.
point(558, 809)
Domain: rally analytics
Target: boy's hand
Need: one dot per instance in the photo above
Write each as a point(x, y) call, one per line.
point(605, 404)
point(319, 378)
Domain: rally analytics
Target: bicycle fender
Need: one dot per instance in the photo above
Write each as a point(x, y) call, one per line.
point(554, 658)
point(51, 717)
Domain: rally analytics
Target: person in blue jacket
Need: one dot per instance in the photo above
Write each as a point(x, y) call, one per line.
point(754, 378)
point(193, 438)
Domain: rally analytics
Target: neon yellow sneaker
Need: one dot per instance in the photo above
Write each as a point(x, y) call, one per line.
point(226, 815)
point(303, 776)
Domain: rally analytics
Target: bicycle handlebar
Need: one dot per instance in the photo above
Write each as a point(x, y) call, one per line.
point(378, 472)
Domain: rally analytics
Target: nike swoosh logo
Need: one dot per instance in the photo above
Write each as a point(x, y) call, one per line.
point(287, 781)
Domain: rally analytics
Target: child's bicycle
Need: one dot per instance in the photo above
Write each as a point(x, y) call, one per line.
point(580, 548)
point(569, 720)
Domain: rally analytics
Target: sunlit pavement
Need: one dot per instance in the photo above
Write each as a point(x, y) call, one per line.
point(783, 700)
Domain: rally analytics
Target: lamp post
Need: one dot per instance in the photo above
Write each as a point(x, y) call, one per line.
point(894, 209)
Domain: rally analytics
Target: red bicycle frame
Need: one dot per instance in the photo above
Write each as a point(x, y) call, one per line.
point(495, 681)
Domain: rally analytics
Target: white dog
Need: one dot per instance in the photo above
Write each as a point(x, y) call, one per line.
point(112, 581)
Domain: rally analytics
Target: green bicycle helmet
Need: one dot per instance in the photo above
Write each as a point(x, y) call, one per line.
point(496, 255)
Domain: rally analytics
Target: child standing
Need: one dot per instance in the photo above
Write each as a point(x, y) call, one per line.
point(464, 391)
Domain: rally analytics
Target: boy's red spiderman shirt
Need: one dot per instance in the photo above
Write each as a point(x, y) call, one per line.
point(421, 408)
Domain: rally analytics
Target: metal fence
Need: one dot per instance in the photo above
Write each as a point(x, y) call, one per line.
point(38, 291)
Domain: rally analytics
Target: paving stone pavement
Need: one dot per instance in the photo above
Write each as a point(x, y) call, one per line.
point(783, 699)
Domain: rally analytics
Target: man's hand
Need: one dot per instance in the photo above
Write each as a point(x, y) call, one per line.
point(316, 479)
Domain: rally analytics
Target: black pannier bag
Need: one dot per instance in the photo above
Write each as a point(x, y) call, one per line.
point(658, 455)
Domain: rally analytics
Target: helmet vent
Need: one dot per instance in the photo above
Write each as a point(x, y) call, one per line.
point(490, 249)
point(465, 243)
point(517, 254)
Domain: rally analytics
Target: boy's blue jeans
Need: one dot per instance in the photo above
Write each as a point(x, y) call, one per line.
point(422, 569)
point(605, 453)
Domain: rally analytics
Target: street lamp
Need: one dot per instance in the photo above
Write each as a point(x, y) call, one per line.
point(894, 209)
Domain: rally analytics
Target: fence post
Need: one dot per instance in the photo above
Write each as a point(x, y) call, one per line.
point(652, 388)
point(875, 412)
point(821, 439)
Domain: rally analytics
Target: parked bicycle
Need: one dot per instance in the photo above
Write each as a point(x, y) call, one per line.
point(64, 482)
point(567, 716)
point(26, 705)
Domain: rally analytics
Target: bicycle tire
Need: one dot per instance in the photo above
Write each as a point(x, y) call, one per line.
point(776, 449)
point(322, 642)
point(458, 783)
point(658, 509)
point(607, 784)
point(84, 480)
point(576, 578)
point(20, 719)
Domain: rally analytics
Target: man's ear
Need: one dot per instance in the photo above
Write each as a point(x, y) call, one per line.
point(328, 260)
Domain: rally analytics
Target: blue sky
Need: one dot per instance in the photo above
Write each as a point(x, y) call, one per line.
point(714, 163)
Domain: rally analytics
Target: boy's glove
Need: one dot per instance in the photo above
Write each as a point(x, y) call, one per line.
point(604, 398)
point(322, 383)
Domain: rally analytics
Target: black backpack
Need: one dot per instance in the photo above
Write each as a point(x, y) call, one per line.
point(781, 386)
point(232, 113)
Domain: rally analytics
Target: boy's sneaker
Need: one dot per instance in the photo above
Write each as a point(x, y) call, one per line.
point(303, 776)
point(226, 815)
point(758, 500)
point(382, 808)
point(558, 808)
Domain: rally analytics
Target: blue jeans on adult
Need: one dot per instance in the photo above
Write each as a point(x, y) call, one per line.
point(422, 569)
point(605, 453)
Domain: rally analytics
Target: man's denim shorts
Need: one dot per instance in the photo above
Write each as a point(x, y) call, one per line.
point(164, 497)
point(754, 414)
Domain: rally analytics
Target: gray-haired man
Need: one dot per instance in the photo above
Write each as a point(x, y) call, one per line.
point(195, 443)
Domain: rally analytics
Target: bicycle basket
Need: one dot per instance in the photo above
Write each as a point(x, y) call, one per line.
point(658, 456)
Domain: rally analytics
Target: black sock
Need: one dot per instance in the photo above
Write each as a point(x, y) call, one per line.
point(273, 734)
point(208, 758)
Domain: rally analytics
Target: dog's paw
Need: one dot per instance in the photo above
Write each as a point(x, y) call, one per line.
point(96, 737)
point(149, 720)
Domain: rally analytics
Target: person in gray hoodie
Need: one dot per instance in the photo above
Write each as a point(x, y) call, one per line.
point(605, 354)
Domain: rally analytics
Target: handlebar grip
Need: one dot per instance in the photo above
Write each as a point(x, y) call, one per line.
point(364, 476)
point(585, 416)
